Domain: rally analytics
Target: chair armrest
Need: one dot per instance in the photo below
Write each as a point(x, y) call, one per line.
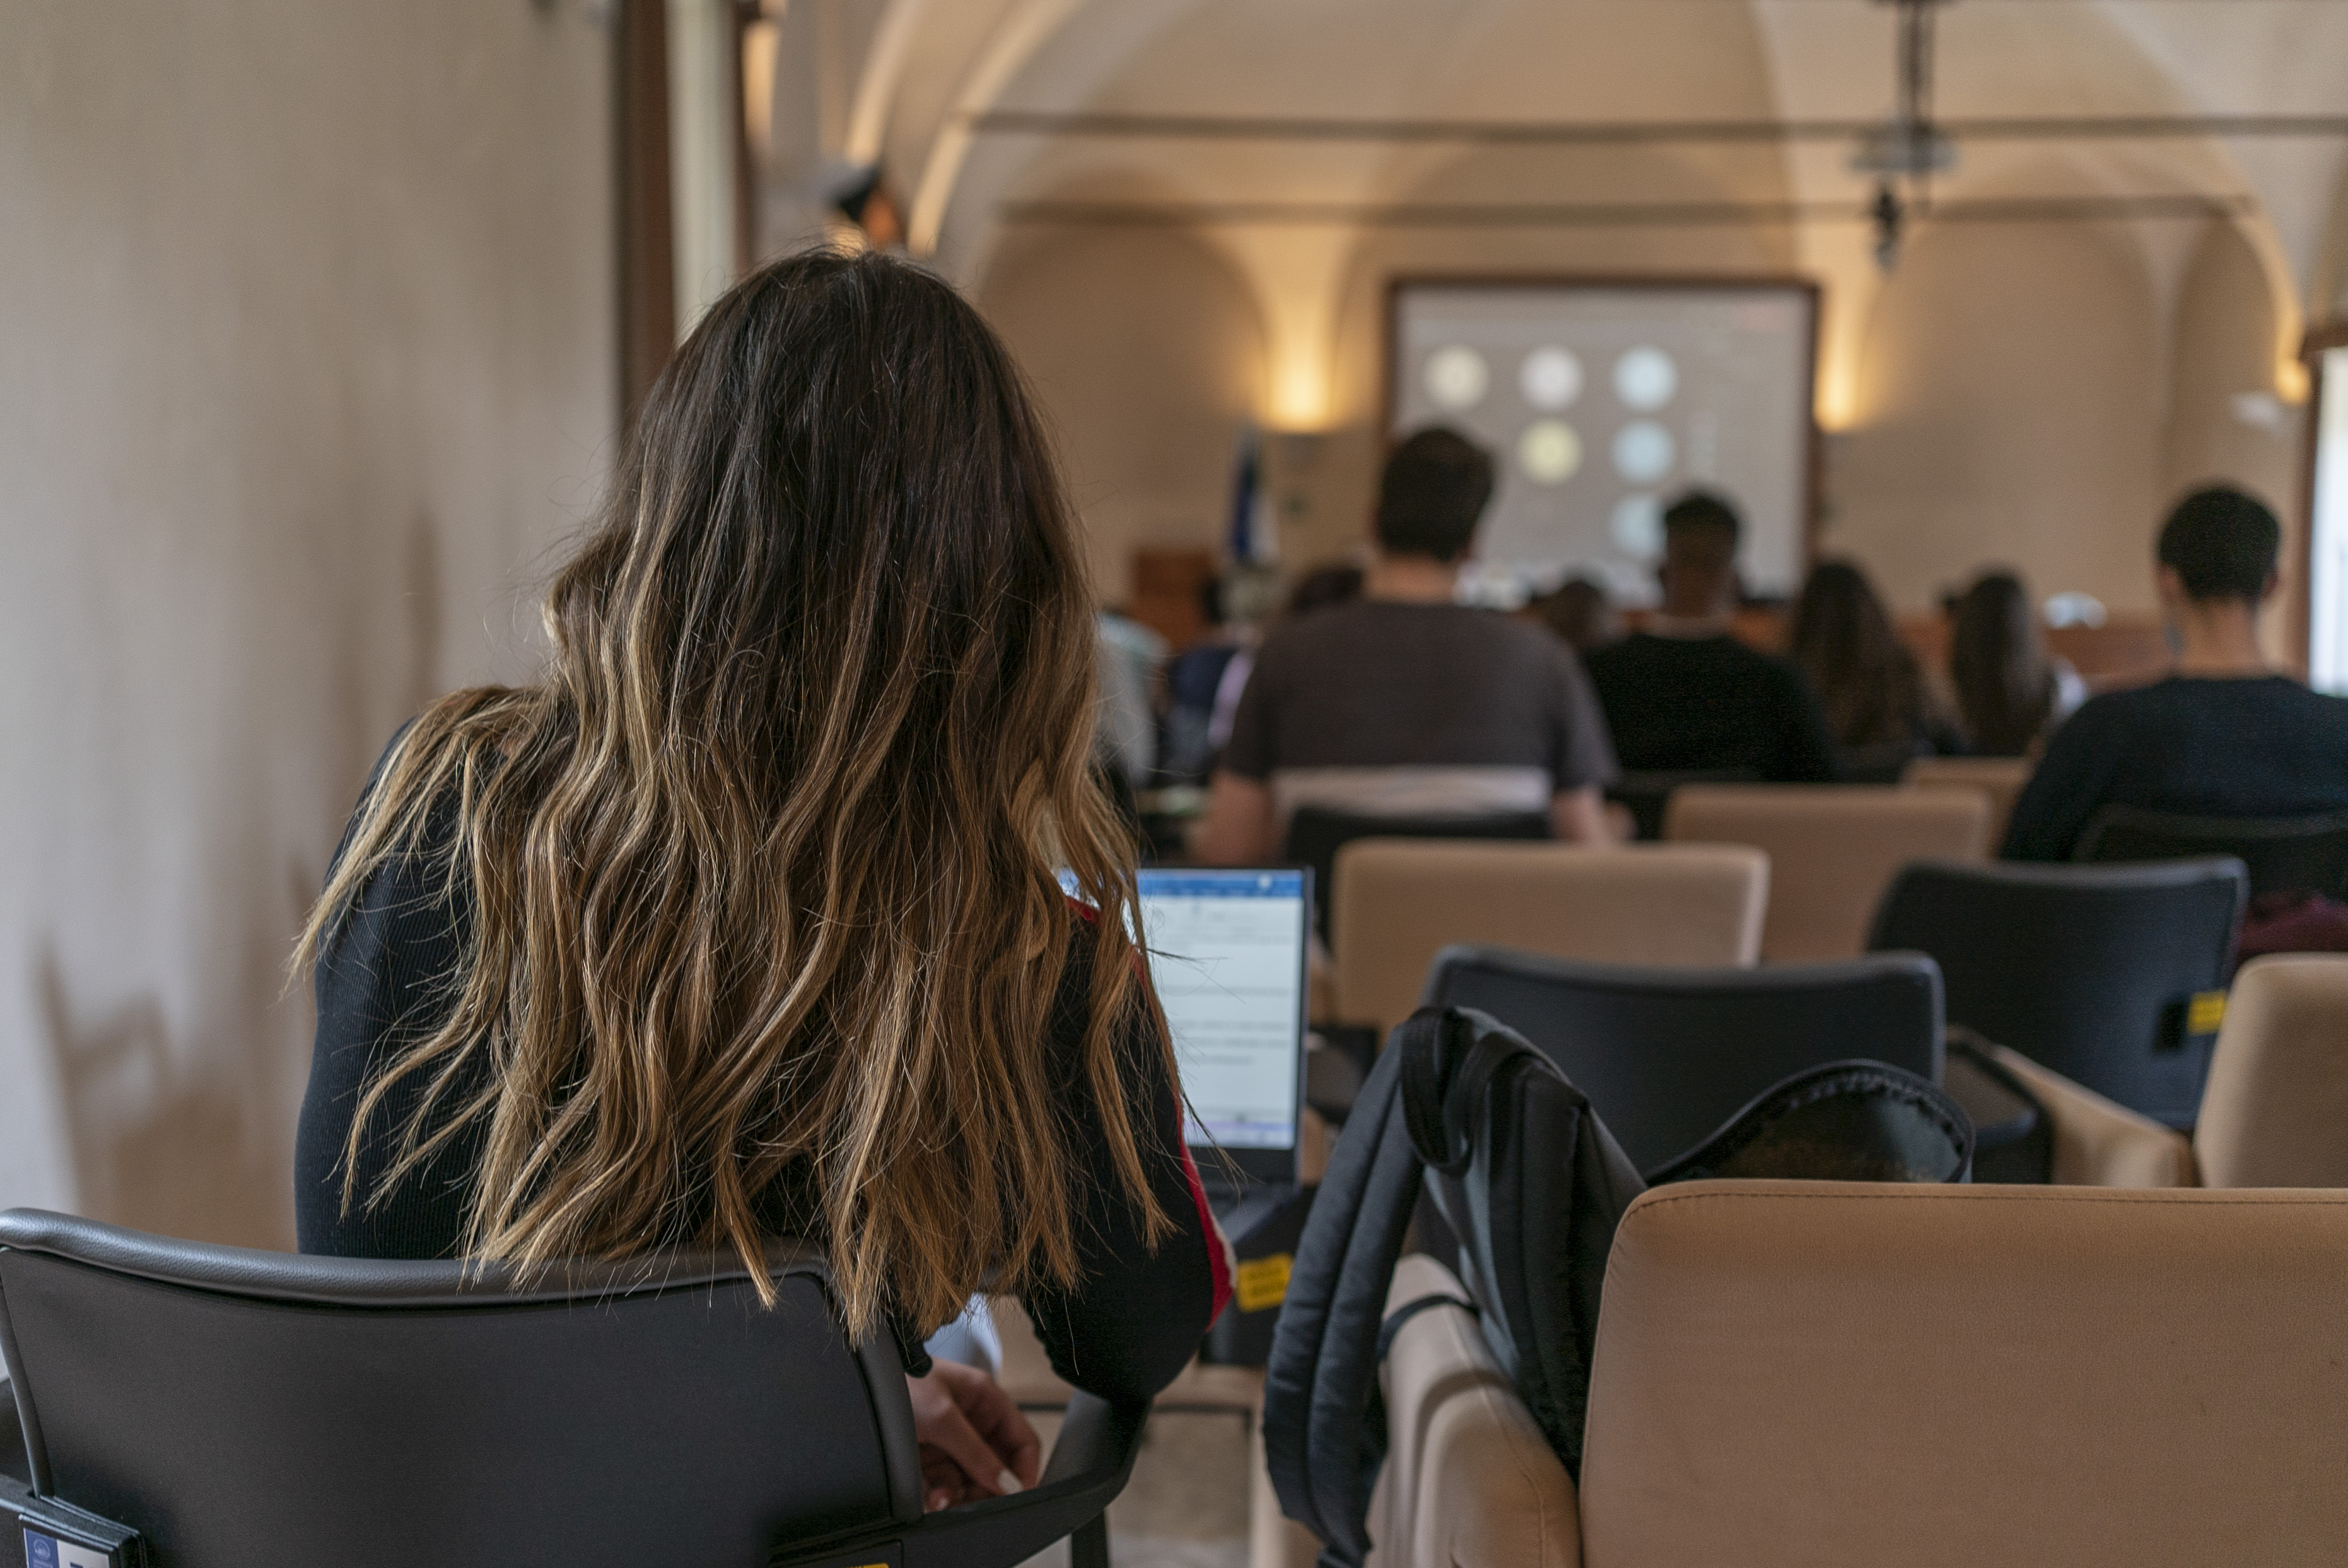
point(1090, 1465)
point(2099, 1142)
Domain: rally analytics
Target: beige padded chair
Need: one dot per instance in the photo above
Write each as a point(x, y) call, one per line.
point(1832, 849)
point(1999, 777)
point(1399, 901)
point(2100, 1142)
point(1847, 1377)
point(1469, 1481)
point(2275, 1113)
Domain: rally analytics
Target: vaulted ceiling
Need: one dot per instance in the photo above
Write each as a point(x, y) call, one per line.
point(917, 76)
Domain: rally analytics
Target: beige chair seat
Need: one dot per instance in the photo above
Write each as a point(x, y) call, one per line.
point(1833, 849)
point(1999, 777)
point(1802, 1376)
point(2275, 1112)
point(1399, 901)
point(1469, 1481)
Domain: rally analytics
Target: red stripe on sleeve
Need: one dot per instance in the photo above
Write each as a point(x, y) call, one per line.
point(1218, 1248)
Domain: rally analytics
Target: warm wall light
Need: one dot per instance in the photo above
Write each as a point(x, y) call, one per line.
point(758, 42)
point(1300, 390)
point(2291, 381)
point(1837, 393)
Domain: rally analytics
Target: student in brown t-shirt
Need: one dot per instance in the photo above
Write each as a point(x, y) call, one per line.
point(1406, 703)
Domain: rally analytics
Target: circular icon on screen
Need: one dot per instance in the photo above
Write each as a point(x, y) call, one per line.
point(1549, 451)
point(1456, 377)
point(1549, 378)
point(1643, 452)
point(1646, 378)
point(1637, 525)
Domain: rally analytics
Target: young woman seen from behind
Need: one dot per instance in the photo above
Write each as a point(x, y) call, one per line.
point(2008, 688)
point(744, 919)
point(1879, 706)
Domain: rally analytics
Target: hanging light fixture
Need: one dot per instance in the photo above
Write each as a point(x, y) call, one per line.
point(1911, 148)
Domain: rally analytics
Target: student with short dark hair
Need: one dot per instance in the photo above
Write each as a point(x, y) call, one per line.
point(1579, 612)
point(1684, 693)
point(2224, 735)
point(1406, 702)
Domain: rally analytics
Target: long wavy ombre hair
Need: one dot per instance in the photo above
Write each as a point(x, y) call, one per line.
point(765, 864)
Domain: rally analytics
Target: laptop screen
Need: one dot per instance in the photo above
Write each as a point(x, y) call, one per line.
point(1227, 957)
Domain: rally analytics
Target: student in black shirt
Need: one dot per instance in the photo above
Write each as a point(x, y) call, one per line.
point(2224, 735)
point(1685, 695)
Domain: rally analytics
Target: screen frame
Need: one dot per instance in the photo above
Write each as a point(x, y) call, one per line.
point(2300, 605)
point(1218, 1166)
point(1808, 291)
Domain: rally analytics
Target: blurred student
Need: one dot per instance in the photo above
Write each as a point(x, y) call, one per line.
point(2224, 735)
point(1684, 693)
point(744, 919)
point(1131, 657)
point(1340, 583)
point(1406, 702)
point(1195, 678)
point(1880, 708)
point(2010, 691)
point(1581, 614)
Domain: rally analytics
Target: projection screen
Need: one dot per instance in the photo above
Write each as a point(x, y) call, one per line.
point(1601, 401)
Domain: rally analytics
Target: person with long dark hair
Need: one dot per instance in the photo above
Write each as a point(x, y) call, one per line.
point(744, 919)
point(2010, 691)
point(1879, 707)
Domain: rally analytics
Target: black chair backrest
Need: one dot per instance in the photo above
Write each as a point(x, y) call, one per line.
point(1647, 794)
point(243, 1408)
point(1316, 833)
point(1668, 1056)
point(2282, 854)
point(2087, 970)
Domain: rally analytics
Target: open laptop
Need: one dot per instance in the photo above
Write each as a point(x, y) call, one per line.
point(1227, 952)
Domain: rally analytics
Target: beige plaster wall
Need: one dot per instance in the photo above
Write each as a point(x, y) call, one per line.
point(2214, 432)
point(1146, 352)
point(306, 358)
point(2012, 398)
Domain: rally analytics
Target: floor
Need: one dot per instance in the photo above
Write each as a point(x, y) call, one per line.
point(1187, 1505)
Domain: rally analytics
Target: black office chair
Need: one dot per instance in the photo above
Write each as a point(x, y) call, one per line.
point(1647, 794)
point(2087, 970)
point(1315, 834)
point(253, 1409)
point(1668, 1056)
point(2282, 854)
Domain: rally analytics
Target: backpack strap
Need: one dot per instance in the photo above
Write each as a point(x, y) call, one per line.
point(1323, 1439)
point(1412, 1308)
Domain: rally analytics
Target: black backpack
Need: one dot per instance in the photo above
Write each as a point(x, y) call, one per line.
point(1527, 1176)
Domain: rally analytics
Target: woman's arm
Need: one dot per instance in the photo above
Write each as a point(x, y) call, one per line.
point(1135, 1317)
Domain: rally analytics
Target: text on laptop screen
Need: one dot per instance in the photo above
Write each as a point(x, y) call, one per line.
point(1227, 957)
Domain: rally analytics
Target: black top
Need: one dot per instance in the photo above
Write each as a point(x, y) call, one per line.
point(1123, 1332)
point(1711, 704)
point(2262, 747)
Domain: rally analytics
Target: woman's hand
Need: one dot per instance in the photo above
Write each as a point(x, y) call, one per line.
point(974, 1442)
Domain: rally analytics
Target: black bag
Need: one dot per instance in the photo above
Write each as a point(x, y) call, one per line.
point(1526, 1174)
point(2013, 1132)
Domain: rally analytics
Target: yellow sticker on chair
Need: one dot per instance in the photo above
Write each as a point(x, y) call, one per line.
point(2205, 1013)
point(1259, 1282)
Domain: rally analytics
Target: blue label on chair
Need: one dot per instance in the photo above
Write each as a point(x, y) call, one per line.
point(40, 1551)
